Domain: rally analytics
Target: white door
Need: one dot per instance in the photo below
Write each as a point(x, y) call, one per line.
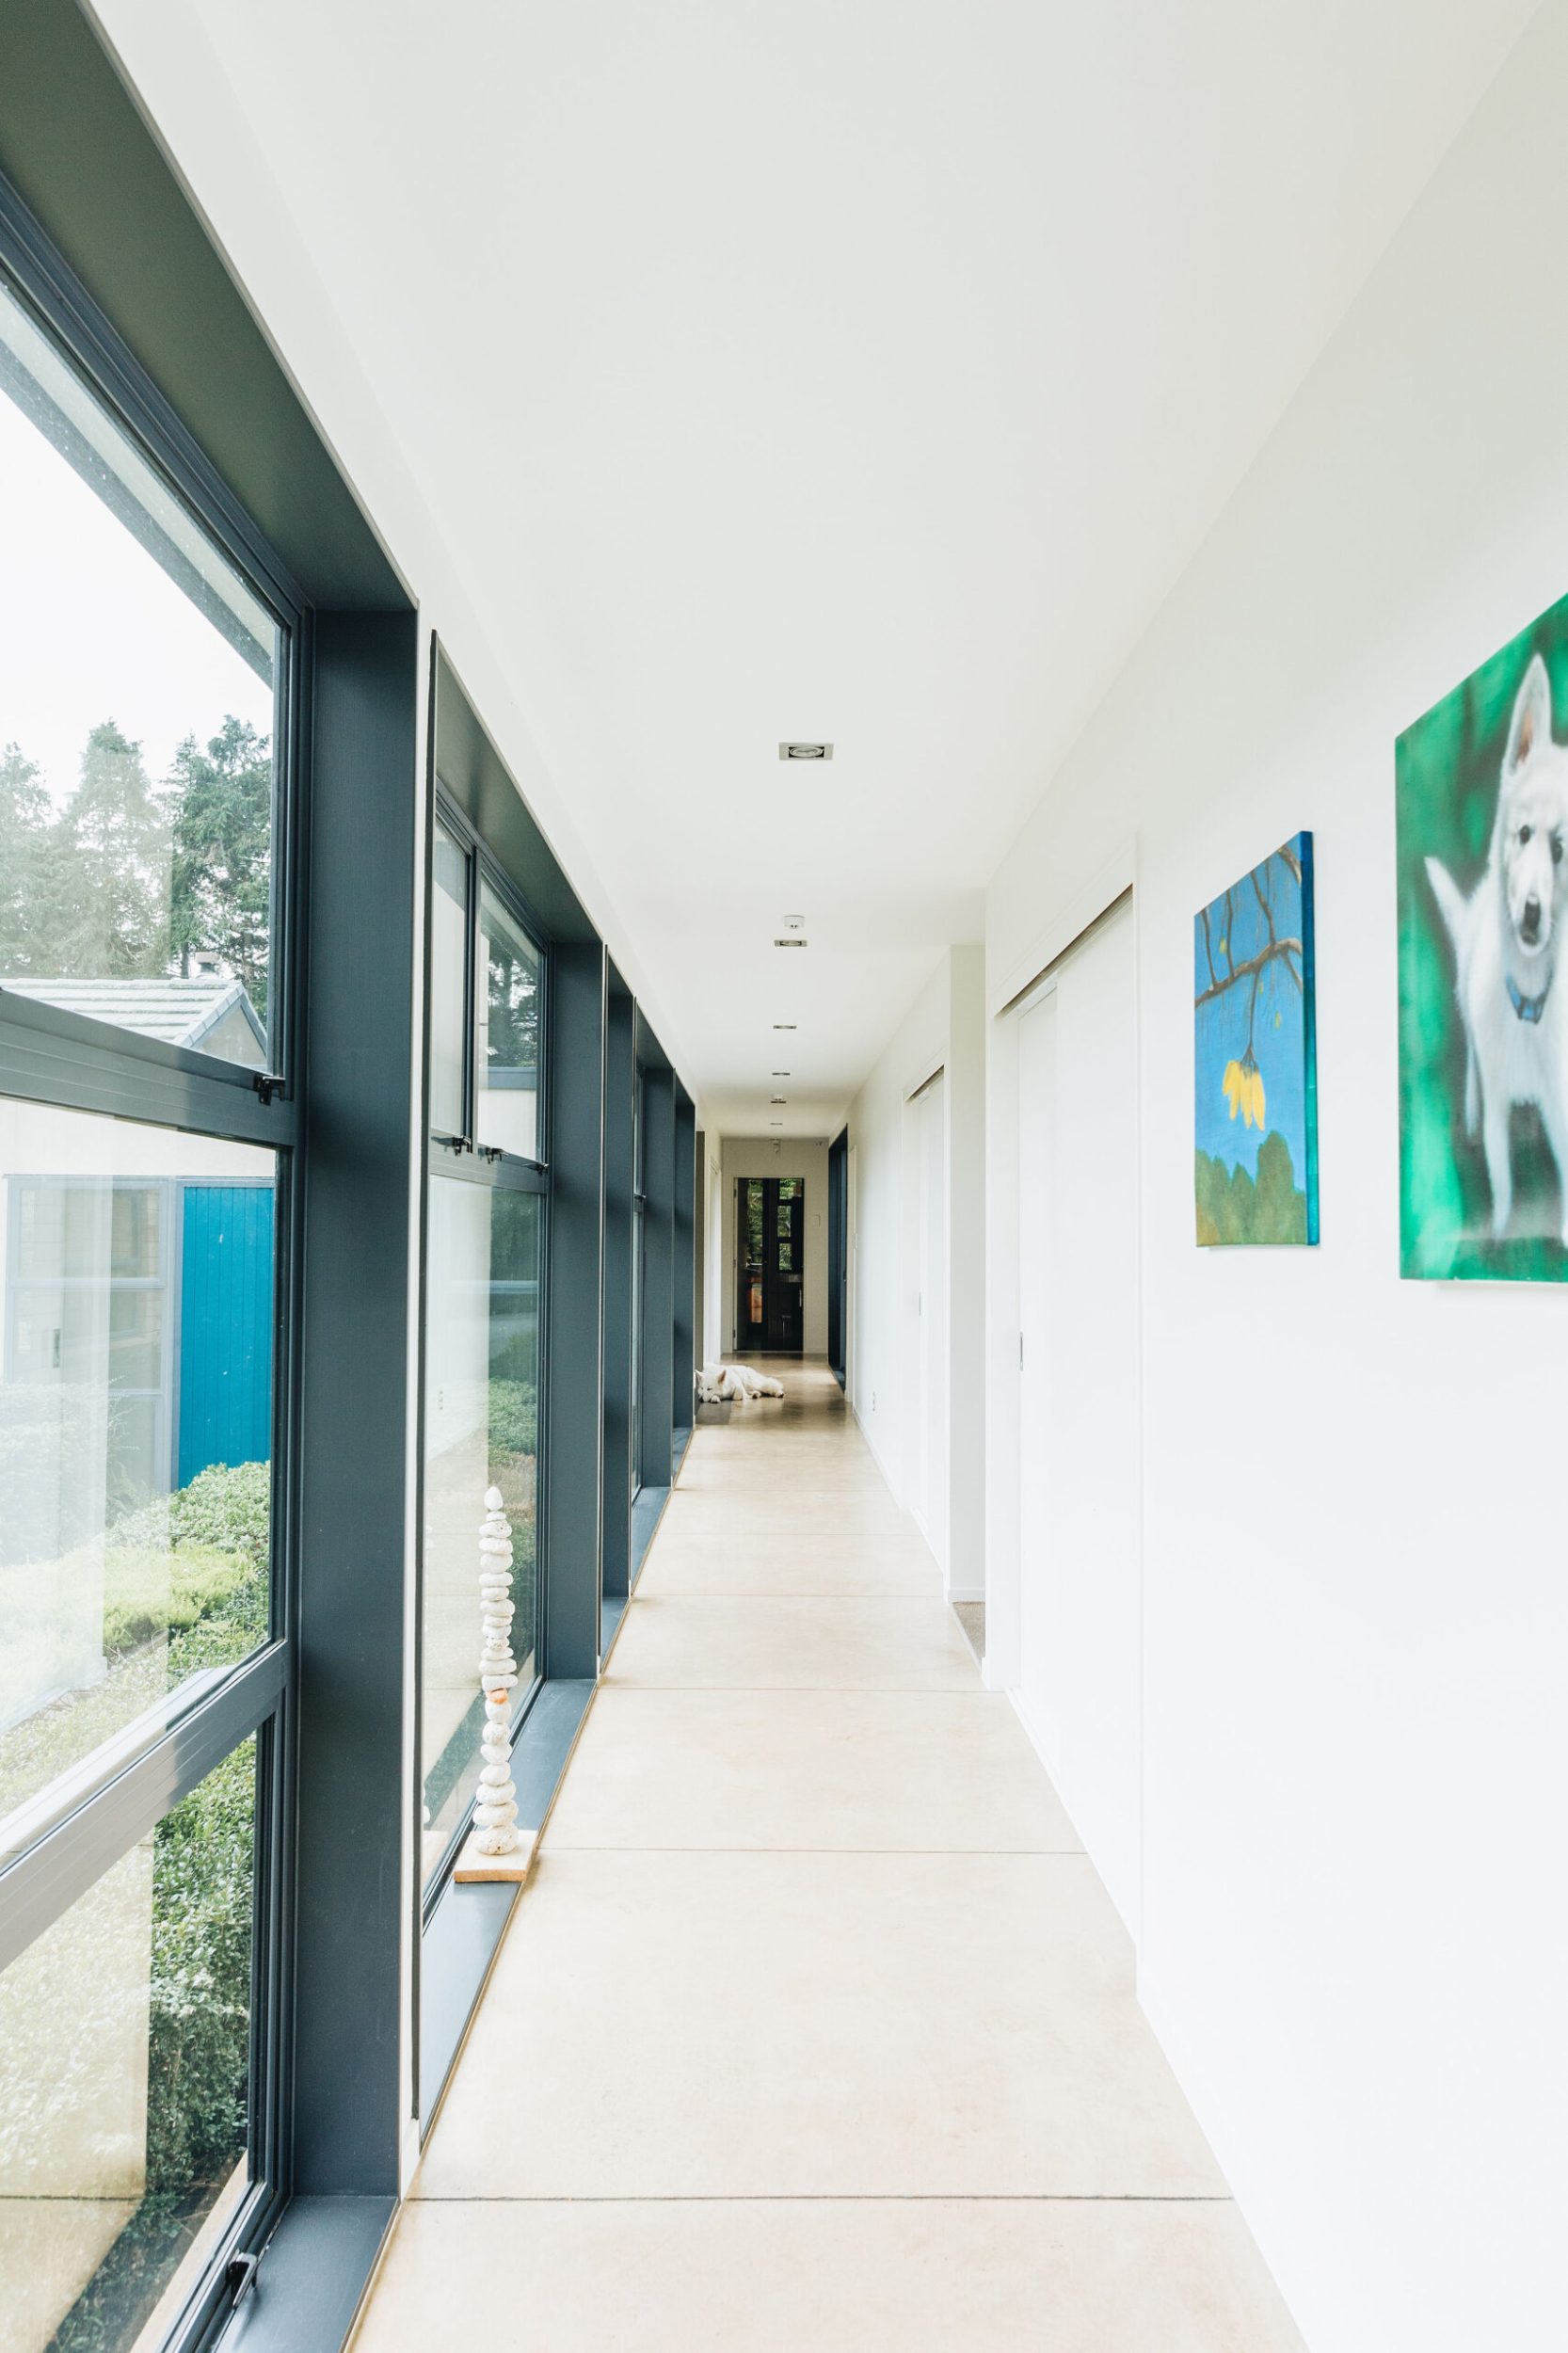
point(930, 1419)
point(1079, 1509)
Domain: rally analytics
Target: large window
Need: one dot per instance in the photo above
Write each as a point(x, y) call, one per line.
point(484, 1236)
point(134, 1427)
point(481, 1431)
point(146, 1191)
point(125, 2091)
point(136, 719)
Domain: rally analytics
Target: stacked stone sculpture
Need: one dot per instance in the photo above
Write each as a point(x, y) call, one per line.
point(495, 1811)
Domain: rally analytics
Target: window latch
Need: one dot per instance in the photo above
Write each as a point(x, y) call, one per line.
point(489, 1151)
point(267, 1083)
point(240, 2277)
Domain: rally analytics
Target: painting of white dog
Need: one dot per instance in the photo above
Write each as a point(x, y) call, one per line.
point(1482, 825)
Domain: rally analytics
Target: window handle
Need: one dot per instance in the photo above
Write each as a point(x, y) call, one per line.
point(267, 1083)
point(240, 2277)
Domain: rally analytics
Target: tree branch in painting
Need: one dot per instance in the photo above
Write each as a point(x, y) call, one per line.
point(1280, 951)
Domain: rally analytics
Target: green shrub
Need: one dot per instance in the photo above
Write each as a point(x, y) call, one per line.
point(514, 1418)
point(203, 1873)
point(146, 1594)
point(227, 1508)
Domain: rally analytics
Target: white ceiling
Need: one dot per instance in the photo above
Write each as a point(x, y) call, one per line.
point(866, 369)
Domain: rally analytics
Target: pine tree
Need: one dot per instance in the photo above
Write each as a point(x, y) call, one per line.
point(24, 825)
point(110, 867)
point(220, 807)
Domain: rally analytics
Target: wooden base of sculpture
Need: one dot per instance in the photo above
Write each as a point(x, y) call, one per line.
point(473, 1866)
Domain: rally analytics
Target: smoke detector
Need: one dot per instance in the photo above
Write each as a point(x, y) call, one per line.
point(806, 751)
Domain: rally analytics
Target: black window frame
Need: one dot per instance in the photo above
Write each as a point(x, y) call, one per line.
point(467, 1160)
point(65, 1060)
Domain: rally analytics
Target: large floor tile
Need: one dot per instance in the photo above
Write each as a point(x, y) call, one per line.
point(871, 2276)
point(789, 1643)
point(684, 1562)
point(788, 2025)
point(842, 1769)
point(764, 1471)
point(793, 1511)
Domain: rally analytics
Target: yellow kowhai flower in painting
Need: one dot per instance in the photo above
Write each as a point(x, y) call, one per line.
point(1243, 1087)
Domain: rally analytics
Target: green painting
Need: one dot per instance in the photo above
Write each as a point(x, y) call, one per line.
point(1482, 805)
point(1255, 1061)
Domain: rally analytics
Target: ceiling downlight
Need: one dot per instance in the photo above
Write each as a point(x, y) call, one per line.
point(806, 751)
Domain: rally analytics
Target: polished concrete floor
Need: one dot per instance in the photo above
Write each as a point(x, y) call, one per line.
point(815, 2029)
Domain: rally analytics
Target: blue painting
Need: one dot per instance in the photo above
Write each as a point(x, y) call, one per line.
point(1257, 1056)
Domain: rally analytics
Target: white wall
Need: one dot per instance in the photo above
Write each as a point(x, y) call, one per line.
point(1355, 1608)
point(1077, 1675)
point(764, 1156)
point(944, 1030)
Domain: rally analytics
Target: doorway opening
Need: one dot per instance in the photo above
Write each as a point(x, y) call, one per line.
point(770, 1223)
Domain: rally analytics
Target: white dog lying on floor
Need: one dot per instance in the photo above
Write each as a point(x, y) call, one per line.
point(721, 1385)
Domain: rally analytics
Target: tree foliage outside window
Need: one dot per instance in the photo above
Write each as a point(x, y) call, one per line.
point(513, 1032)
point(199, 1991)
point(130, 879)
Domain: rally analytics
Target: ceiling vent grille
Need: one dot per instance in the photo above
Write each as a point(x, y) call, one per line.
point(806, 751)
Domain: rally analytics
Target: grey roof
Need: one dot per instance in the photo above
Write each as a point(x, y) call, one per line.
point(182, 1013)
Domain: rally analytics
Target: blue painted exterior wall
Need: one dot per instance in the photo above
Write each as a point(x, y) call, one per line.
point(225, 1404)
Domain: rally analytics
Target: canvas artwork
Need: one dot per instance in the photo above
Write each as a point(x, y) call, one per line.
point(1482, 806)
point(1255, 1060)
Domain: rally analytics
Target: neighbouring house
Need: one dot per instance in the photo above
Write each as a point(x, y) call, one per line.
point(208, 1013)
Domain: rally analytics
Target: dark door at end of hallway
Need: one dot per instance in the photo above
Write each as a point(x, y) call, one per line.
point(771, 1257)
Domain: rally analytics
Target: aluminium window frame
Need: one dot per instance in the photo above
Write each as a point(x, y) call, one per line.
point(461, 1158)
point(52, 1057)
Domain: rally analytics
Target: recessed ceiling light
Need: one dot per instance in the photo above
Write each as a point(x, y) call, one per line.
point(780, 1074)
point(778, 1098)
point(783, 1025)
point(806, 751)
point(775, 1123)
point(791, 943)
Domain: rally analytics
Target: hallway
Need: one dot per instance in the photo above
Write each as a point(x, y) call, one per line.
point(814, 2027)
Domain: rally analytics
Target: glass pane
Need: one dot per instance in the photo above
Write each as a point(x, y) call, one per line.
point(136, 1410)
point(639, 1241)
point(449, 987)
point(481, 1429)
point(125, 2082)
point(509, 1047)
point(136, 731)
